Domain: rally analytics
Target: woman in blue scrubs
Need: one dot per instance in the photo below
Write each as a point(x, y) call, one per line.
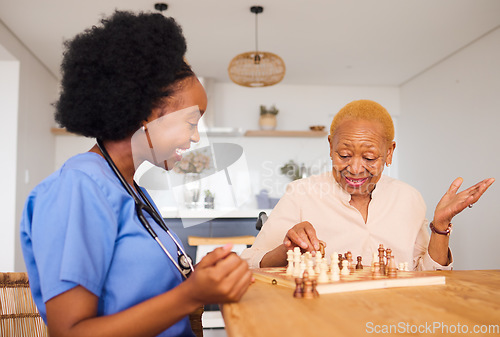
point(94, 267)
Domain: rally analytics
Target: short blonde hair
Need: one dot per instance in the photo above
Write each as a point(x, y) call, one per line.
point(365, 109)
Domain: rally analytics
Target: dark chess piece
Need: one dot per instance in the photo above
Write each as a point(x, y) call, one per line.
point(308, 291)
point(314, 284)
point(299, 292)
point(359, 265)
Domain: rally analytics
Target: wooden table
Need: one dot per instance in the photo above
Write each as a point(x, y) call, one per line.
point(469, 300)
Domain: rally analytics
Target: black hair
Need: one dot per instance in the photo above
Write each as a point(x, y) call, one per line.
point(115, 74)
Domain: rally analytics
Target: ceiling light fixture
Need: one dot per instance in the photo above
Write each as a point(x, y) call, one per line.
point(256, 68)
point(161, 6)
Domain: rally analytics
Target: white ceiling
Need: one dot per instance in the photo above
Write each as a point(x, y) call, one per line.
point(323, 42)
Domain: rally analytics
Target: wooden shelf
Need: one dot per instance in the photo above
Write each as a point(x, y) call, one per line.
point(249, 133)
point(61, 132)
point(283, 133)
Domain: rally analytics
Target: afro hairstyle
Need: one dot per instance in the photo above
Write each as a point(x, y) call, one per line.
point(113, 75)
point(365, 109)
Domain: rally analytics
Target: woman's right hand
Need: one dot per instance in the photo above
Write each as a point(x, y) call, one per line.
point(220, 277)
point(302, 235)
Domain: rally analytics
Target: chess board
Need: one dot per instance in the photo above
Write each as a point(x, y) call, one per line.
point(359, 279)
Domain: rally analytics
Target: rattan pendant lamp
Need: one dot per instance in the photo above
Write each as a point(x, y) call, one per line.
point(256, 68)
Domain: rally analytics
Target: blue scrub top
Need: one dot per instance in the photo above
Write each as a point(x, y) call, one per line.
point(80, 227)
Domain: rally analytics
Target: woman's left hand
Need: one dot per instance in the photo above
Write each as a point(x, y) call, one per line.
point(453, 203)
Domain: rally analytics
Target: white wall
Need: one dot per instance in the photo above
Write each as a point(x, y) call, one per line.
point(35, 143)
point(449, 127)
point(9, 91)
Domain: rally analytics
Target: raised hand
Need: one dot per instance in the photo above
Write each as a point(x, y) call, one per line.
point(453, 203)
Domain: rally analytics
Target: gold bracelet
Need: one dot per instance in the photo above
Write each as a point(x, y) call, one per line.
point(447, 232)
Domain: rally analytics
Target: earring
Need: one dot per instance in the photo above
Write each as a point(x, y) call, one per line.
point(388, 165)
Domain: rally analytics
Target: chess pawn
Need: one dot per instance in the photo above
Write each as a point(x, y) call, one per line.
point(406, 266)
point(323, 276)
point(335, 272)
point(308, 291)
point(340, 261)
point(345, 268)
point(299, 291)
point(348, 257)
point(388, 255)
point(289, 258)
point(359, 265)
point(310, 267)
point(318, 257)
point(391, 268)
point(401, 266)
point(302, 265)
point(334, 258)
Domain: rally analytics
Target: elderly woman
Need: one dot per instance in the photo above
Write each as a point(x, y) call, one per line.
point(355, 208)
point(100, 259)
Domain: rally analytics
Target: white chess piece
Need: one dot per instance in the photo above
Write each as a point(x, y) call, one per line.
point(345, 268)
point(323, 276)
point(296, 262)
point(289, 258)
point(406, 268)
point(302, 265)
point(310, 267)
point(318, 258)
point(374, 260)
point(335, 270)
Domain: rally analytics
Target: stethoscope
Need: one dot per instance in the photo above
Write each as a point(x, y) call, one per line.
point(184, 263)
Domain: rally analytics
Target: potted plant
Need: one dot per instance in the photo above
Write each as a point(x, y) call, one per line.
point(209, 199)
point(267, 120)
point(291, 170)
point(191, 166)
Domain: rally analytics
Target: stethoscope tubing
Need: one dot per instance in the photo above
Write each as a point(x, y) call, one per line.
point(148, 207)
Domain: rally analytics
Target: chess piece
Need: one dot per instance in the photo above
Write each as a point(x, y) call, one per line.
point(375, 267)
point(308, 291)
point(406, 266)
point(323, 268)
point(299, 292)
point(322, 246)
point(345, 268)
point(318, 257)
point(302, 265)
point(391, 268)
point(381, 260)
point(296, 262)
point(340, 261)
point(334, 258)
point(348, 257)
point(388, 254)
point(359, 265)
point(310, 267)
point(335, 272)
point(289, 258)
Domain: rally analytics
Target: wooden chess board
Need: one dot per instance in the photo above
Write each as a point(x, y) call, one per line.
point(359, 279)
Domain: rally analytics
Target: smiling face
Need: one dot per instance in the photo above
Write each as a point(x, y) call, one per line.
point(359, 151)
point(172, 127)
